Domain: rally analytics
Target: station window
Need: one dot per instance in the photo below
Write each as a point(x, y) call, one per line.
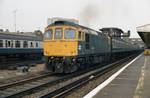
point(31, 44)
point(37, 45)
point(48, 34)
point(25, 44)
point(70, 34)
point(17, 44)
point(58, 33)
point(1, 43)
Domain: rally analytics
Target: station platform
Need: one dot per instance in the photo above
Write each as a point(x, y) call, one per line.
point(132, 82)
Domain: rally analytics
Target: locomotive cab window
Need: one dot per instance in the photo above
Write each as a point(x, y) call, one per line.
point(58, 33)
point(80, 35)
point(48, 34)
point(70, 34)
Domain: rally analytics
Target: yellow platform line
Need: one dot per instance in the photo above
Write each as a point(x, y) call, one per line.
point(139, 88)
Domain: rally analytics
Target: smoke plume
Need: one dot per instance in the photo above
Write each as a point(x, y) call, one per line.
point(89, 14)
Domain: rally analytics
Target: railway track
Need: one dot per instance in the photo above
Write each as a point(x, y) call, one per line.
point(32, 87)
point(64, 90)
point(58, 85)
point(5, 86)
point(9, 89)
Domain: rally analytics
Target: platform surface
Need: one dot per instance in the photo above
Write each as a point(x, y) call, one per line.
point(133, 82)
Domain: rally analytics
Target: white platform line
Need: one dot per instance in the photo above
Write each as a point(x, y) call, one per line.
point(106, 82)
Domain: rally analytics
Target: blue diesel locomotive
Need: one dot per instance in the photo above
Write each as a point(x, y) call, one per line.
point(69, 46)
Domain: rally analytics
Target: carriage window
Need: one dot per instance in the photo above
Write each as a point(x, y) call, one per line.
point(31, 44)
point(17, 44)
point(69, 34)
point(1, 43)
point(48, 34)
point(58, 33)
point(37, 44)
point(12, 43)
point(25, 44)
point(8, 44)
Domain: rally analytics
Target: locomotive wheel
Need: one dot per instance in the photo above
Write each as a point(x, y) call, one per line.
point(70, 68)
point(59, 68)
point(74, 68)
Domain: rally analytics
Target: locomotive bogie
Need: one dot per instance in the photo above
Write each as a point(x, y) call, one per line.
point(72, 64)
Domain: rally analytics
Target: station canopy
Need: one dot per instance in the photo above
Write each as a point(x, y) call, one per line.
point(144, 33)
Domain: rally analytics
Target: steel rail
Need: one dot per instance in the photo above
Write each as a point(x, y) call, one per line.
point(5, 86)
point(51, 82)
point(61, 92)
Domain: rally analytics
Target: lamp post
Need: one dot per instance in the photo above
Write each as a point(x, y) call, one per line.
point(15, 19)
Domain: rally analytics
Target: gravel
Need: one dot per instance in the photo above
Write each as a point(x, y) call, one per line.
point(85, 89)
point(58, 85)
point(9, 75)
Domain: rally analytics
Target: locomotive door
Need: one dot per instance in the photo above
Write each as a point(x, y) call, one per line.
point(87, 41)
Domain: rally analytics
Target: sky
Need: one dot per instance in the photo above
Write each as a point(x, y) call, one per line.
point(33, 14)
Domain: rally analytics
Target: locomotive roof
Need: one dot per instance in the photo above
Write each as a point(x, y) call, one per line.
point(59, 23)
point(20, 36)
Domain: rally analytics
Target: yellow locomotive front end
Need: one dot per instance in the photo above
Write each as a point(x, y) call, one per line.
point(60, 41)
point(61, 48)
